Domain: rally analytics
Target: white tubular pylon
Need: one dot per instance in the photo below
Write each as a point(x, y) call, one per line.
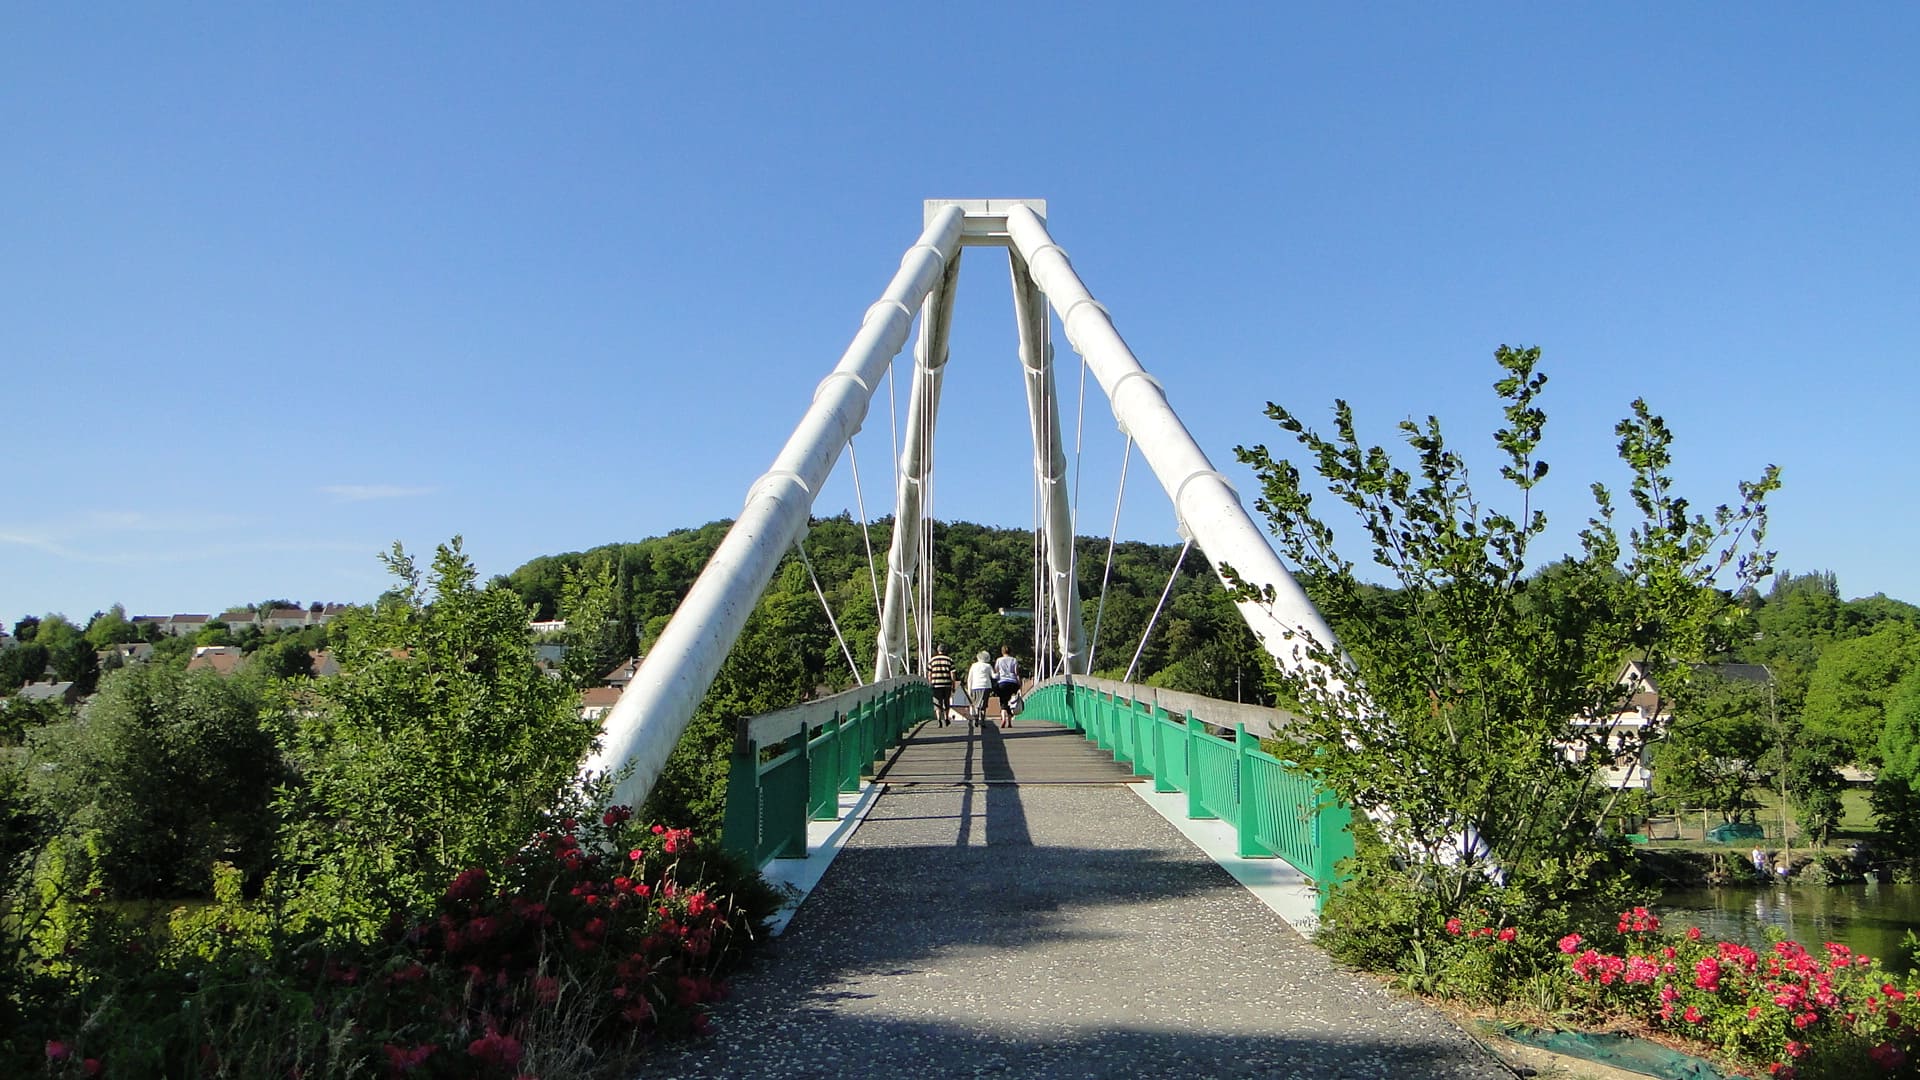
point(916, 464)
point(643, 728)
point(1050, 469)
point(1206, 506)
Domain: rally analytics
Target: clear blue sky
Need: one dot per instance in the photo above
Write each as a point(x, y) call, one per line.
point(281, 286)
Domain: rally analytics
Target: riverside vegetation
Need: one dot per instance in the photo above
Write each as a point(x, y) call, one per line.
point(1484, 860)
point(394, 871)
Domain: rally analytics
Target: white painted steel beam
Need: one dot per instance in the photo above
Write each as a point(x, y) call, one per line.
point(644, 726)
point(916, 471)
point(1049, 468)
point(1206, 506)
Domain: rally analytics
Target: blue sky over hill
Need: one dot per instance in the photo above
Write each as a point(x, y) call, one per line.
point(281, 287)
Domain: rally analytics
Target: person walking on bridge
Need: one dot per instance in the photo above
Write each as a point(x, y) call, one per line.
point(979, 685)
point(1006, 683)
point(940, 675)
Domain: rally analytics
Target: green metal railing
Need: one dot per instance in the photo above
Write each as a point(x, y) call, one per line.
point(1274, 806)
point(789, 767)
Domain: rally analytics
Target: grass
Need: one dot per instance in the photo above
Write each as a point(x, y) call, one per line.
point(1857, 823)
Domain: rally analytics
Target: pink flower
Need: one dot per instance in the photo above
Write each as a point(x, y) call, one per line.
point(1570, 943)
point(1507, 934)
point(1693, 933)
point(91, 1066)
point(469, 885)
point(1641, 970)
point(1706, 974)
point(407, 1059)
point(1795, 1049)
point(1692, 1015)
point(57, 1050)
point(494, 1048)
point(1453, 926)
point(1887, 1056)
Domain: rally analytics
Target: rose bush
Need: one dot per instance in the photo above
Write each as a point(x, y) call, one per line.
point(595, 939)
point(1796, 1013)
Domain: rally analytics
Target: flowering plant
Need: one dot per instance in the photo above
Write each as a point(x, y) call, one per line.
point(1799, 1013)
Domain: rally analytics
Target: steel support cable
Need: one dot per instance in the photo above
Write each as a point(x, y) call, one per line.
point(1079, 433)
point(860, 500)
point(828, 608)
point(1164, 593)
point(1106, 573)
point(1043, 582)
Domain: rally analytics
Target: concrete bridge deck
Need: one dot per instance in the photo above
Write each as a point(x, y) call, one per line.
point(1005, 911)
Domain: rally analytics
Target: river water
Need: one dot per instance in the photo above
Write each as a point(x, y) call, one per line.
point(1869, 918)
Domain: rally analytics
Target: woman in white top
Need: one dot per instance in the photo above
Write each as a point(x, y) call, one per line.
point(979, 685)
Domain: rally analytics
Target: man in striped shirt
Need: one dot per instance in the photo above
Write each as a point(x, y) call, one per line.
point(940, 674)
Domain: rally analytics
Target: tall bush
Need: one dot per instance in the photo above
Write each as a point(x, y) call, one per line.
point(437, 747)
point(1449, 722)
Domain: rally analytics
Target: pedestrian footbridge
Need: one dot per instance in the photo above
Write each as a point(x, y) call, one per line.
point(1062, 898)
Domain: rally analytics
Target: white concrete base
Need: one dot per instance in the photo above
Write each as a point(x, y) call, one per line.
point(824, 841)
point(1273, 882)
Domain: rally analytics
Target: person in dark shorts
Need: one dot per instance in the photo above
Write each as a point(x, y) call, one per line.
point(1006, 683)
point(940, 675)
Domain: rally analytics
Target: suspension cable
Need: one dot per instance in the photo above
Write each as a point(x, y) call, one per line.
point(828, 608)
point(860, 500)
point(1106, 573)
point(1164, 593)
point(1073, 515)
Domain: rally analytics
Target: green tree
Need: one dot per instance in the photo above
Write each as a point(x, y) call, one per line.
point(1713, 750)
point(1448, 726)
point(438, 747)
point(1847, 695)
point(21, 664)
point(171, 768)
point(1896, 789)
point(286, 657)
point(111, 627)
point(589, 603)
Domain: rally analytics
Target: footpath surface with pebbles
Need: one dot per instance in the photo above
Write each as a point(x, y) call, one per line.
point(1051, 930)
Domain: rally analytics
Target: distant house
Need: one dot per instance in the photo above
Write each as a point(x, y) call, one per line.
point(623, 674)
point(65, 693)
point(597, 701)
point(282, 618)
point(1632, 729)
point(547, 626)
point(186, 625)
point(1627, 762)
point(131, 652)
point(550, 658)
point(238, 621)
point(220, 659)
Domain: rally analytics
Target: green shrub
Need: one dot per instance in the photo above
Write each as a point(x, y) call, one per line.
point(173, 772)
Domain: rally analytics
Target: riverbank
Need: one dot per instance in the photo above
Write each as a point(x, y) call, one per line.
point(1692, 867)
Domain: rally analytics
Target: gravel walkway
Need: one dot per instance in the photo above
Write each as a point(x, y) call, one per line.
point(1052, 931)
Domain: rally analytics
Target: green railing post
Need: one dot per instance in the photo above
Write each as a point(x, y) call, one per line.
point(1196, 804)
point(824, 803)
point(789, 824)
point(1333, 841)
point(1162, 782)
point(740, 828)
point(1251, 796)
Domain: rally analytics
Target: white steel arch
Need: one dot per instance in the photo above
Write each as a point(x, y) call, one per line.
point(644, 726)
